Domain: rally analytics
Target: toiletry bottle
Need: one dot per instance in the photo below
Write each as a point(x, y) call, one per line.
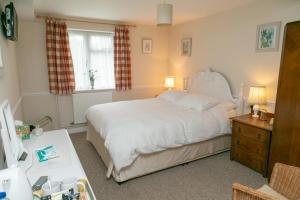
point(3, 196)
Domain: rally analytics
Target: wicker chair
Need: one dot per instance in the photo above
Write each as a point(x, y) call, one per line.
point(285, 180)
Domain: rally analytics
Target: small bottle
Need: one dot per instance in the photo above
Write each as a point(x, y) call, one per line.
point(3, 196)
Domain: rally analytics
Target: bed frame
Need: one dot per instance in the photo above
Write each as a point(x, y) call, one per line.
point(205, 82)
point(149, 163)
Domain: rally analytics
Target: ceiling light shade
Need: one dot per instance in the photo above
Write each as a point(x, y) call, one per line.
point(164, 14)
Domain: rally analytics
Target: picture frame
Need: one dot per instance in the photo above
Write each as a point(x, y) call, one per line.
point(147, 46)
point(186, 47)
point(267, 37)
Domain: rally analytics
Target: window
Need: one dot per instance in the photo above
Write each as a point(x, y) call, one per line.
point(92, 51)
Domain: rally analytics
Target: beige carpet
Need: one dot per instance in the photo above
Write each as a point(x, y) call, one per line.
point(209, 178)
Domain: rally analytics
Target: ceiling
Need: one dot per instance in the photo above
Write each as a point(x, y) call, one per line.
point(130, 11)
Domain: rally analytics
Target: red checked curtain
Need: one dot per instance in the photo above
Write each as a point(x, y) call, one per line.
point(122, 60)
point(60, 66)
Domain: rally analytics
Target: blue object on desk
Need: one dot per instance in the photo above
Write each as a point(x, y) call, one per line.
point(2, 195)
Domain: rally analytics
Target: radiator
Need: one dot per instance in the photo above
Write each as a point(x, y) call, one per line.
point(82, 101)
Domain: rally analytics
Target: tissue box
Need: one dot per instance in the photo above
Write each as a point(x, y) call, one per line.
point(23, 131)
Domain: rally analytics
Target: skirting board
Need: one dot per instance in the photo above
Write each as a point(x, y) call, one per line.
point(77, 129)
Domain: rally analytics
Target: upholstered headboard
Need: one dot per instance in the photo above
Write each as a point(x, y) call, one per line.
point(215, 85)
point(212, 84)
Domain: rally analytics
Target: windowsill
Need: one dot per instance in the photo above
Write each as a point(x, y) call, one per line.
point(93, 91)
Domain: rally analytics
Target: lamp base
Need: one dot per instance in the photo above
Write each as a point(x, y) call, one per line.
point(251, 110)
point(255, 111)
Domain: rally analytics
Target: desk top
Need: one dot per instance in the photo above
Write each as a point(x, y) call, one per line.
point(256, 122)
point(66, 165)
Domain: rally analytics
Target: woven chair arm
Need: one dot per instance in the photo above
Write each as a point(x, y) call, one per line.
point(241, 192)
point(285, 179)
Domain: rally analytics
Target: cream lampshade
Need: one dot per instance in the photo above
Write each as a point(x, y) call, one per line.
point(257, 96)
point(170, 82)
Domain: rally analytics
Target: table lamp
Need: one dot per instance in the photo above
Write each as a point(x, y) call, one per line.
point(170, 82)
point(257, 96)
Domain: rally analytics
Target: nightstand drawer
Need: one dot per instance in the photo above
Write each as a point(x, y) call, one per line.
point(251, 142)
point(250, 146)
point(250, 132)
point(249, 160)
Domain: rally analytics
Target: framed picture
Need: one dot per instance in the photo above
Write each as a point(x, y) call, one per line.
point(147, 46)
point(186, 47)
point(268, 37)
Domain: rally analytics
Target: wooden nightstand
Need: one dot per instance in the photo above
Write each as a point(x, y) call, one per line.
point(250, 144)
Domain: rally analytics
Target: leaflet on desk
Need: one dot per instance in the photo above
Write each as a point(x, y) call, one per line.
point(46, 153)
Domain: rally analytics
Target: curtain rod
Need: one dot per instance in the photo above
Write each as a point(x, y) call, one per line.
point(82, 20)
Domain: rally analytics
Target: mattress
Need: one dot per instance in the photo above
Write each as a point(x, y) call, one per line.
point(149, 163)
point(139, 127)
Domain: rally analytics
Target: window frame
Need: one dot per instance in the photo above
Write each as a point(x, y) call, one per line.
point(87, 37)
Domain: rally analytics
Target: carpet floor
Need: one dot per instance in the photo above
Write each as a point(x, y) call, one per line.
point(208, 179)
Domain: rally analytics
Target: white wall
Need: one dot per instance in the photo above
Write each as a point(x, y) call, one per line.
point(148, 70)
point(226, 43)
point(9, 81)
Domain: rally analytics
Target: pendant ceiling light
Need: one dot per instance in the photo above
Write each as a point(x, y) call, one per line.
point(164, 14)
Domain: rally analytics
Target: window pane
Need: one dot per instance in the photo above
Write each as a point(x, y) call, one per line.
point(102, 59)
point(102, 62)
point(101, 42)
point(79, 57)
point(92, 50)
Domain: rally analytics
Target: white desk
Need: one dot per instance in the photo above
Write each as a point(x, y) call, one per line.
point(66, 165)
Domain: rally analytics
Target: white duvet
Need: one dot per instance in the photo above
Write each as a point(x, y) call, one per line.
point(131, 128)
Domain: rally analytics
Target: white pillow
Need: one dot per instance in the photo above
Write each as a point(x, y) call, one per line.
point(227, 105)
point(198, 102)
point(172, 96)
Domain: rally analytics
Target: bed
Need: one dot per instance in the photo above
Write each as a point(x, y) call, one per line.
point(138, 137)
